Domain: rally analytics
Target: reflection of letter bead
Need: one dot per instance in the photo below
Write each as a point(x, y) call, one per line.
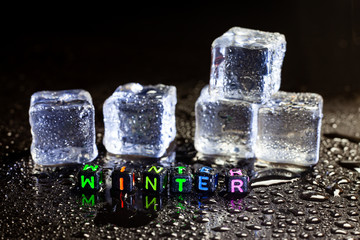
point(236, 181)
point(206, 179)
point(180, 180)
point(155, 179)
point(90, 177)
point(152, 202)
point(122, 200)
point(123, 179)
point(88, 199)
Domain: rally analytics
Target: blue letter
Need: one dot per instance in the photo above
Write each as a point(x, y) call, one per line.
point(202, 184)
point(206, 169)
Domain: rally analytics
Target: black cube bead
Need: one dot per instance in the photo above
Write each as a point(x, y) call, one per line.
point(206, 179)
point(236, 181)
point(123, 179)
point(90, 177)
point(181, 179)
point(155, 179)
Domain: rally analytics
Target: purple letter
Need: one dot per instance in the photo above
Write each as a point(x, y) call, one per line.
point(237, 171)
point(236, 183)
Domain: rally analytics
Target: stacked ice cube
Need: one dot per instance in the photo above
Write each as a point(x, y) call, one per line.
point(242, 113)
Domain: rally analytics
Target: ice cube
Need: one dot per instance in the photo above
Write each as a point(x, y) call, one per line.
point(225, 127)
point(246, 64)
point(140, 120)
point(62, 127)
point(289, 128)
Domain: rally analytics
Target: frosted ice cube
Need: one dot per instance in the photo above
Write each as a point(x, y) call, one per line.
point(140, 120)
point(62, 127)
point(289, 129)
point(246, 64)
point(225, 127)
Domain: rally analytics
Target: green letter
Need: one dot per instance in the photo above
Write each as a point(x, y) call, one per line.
point(180, 169)
point(84, 181)
point(153, 201)
point(153, 185)
point(92, 167)
point(180, 181)
point(155, 169)
point(91, 200)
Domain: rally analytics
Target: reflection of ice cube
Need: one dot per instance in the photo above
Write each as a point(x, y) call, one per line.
point(246, 64)
point(140, 120)
point(63, 127)
point(289, 128)
point(225, 127)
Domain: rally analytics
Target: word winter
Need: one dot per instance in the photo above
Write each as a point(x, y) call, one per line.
point(157, 179)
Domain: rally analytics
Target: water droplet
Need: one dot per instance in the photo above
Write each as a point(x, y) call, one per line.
point(319, 234)
point(296, 212)
point(243, 218)
point(309, 227)
point(291, 221)
point(202, 219)
point(351, 197)
point(278, 200)
point(353, 213)
point(304, 235)
point(266, 223)
point(268, 211)
point(344, 224)
point(313, 196)
point(253, 227)
point(338, 231)
point(221, 229)
point(241, 234)
point(252, 209)
point(313, 220)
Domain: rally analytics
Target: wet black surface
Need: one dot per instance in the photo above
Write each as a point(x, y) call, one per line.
point(285, 202)
point(172, 46)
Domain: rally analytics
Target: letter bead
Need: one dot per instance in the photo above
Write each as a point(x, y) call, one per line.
point(90, 177)
point(123, 179)
point(154, 179)
point(181, 179)
point(236, 181)
point(206, 179)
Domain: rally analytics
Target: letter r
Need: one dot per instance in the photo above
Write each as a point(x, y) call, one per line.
point(237, 184)
point(235, 171)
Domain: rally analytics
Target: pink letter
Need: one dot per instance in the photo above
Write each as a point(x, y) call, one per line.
point(237, 171)
point(236, 183)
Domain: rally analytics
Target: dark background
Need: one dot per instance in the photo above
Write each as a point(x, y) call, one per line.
point(98, 48)
point(86, 47)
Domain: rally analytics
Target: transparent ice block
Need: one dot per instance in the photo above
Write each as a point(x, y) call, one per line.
point(62, 127)
point(140, 120)
point(246, 64)
point(289, 129)
point(225, 127)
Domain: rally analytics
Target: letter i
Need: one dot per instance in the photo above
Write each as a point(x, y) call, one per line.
point(121, 183)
